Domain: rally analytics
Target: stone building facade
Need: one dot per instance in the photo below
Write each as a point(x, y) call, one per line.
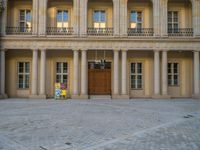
point(122, 48)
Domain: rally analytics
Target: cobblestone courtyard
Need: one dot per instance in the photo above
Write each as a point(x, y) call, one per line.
point(100, 124)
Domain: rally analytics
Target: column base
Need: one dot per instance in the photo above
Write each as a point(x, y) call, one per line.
point(161, 96)
point(125, 97)
point(3, 96)
point(79, 97)
point(83, 97)
point(37, 97)
point(196, 96)
point(116, 96)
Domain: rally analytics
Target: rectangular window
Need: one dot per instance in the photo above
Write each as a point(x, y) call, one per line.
point(62, 19)
point(136, 19)
point(173, 20)
point(25, 20)
point(99, 19)
point(173, 74)
point(136, 76)
point(62, 72)
point(23, 74)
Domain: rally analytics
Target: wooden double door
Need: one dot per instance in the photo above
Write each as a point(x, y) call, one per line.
point(99, 79)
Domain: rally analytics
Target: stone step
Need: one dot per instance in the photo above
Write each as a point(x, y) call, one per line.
point(100, 97)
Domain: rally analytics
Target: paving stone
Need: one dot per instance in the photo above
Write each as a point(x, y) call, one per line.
point(100, 124)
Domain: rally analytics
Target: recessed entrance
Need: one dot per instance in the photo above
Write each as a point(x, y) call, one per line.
point(99, 78)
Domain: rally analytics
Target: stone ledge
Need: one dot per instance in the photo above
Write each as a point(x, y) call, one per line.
point(3, 96)
point(79, 97)
point(196, 96)
point(37, 96)
point(161, 96)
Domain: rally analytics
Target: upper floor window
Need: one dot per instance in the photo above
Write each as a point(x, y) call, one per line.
point(173, 20)
point(62, 72)
point(23, 74)
point(99, 19)
point(25, 20)
point(173, 74)
point(62, 19)
point(136, 19)
point(136, 75)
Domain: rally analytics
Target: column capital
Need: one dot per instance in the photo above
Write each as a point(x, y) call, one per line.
point(116, 50)
point(156, 50)
point(83, 49)
point(75, 49)
point(124, 50)
point(43, 49)
point(34, 49)
point(3, 49)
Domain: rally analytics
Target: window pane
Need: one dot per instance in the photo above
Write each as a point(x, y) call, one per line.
point(27, 67)
point(65, 16)
point(26, 81)
point(59, 16)
point(169, 67)
point(132, 67)
point(103, 16)
point(65, 79)
point(96, 16)
point(20, 67)
point(64, 67)
point(139, 17)
point(28, 16)
point(58, 67)
point(133, 82)
point(20, 81)
point(22, 15)
point(139, 68)
point(133, 17)
point(58, 78)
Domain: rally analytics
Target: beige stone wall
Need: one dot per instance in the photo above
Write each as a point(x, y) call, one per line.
point(14, 8)
point(146, 8)
point(53, 6)
point(107, 6)
point(146, 58)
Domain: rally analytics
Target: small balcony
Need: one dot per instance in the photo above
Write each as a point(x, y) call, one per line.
point(59, 31)
point(19, 30)
point(140, 32)
point(100, 31)
point(187, 32)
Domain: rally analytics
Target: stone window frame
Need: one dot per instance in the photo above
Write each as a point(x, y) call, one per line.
point(24, 73)
point(172, 74)
point(62, 73)
point(137, 74)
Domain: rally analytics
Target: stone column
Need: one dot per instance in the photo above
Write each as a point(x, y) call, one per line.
point(34, 84)
point(116, 74)
point(123, 17)
point(196, 75)
point(156, 74)
point(116, 14)
point(35, 10)
point(196, 17)
point(163, 17)
point(84, 75)
point(76, 74)
point(4, 18)
point(83, 17)
point(124, 74)
point(2, 69)
point(156, 17)
point(164, 74)
point(43, 74)
point(76, 5)
point(42, 18)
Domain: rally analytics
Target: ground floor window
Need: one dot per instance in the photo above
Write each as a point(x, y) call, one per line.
point(62, 72)
point(23, 74)
point(136, 75)
point(173, 74)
